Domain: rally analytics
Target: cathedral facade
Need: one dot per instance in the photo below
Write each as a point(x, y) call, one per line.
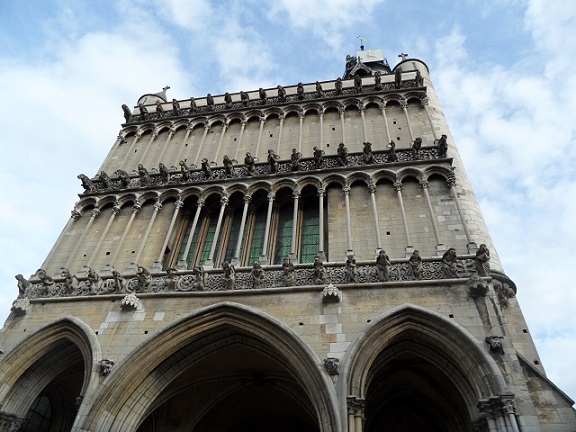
point(308, 257)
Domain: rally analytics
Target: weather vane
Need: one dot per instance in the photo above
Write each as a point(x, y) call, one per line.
point(362, 40)
point(403, 56)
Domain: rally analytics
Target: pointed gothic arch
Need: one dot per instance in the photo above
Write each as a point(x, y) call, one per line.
point(415, 363)
point(60, 360)
point(167, 365)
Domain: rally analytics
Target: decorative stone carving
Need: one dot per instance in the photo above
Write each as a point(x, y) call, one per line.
point(207, 169)
point(229, 276)
point(342, 154)
point(142, 281)
point(358, 83)
point(176, 111)
point(318, 156)
point(319, 90)
point(331, 294)
point(193, 106)
point(377, 81)
point(70, 282)
point(503, 292)
point(351, 272)
point(171, 280)
point(416, 146)
point(392, 156)
point(415, 265)
point(143, 112)
point(210, 102)
point(257, 275)
point(23, 286)
point(20, 306)
point(477, 287)
point(383, 266)
point(483, 261)
point(281, 94)
point(295, 159)
point(124, 177)
point(116, 284)
point(288, 272)
point(442, 146)
point(91, 285)
point(273, 161)
point(367, 155)
point(263, 96)
point(245, 99)
point(332, 365)
point(127, 113)
point(159, 109)
point(144, 176)
point(300, 91)
point(10, 422)
point(46, 281)
point(184, 171)
point(397, 78)
point(104, 179)
point(164, 173)
point(228, 167)
point(131, 302)
point(495, 344)
point(338, 86)
point(106, 366)
point(227, 100)
point(319, 271)
point(87, 184)
point(449, 267)
point(250, 164)
point(419, 80)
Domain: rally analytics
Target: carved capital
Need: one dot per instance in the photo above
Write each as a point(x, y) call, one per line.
point(371, 187)
point(424, 101)
point(136, 207)
point(95, 213)
point(224, 201)
point(271, 196)
point(346, 190)
point(247, 199)
point(424, 184)
point(296, 195)
point(397, 185)
point(157, 206)
point(179, 203)
point(75, 214)
point(200, 203)
point(115, 210)
point(321, 192)
point(403, 103)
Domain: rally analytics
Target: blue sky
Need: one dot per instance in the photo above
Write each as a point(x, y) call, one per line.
point(502, 70)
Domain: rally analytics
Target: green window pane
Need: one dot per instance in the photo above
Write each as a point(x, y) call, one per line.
point(209, 238)
point(284, 234)
point(193, 245)
point(257, 234)
point(234, 235)
point(310, 233)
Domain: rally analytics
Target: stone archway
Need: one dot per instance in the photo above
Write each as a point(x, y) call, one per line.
point(414, 369)
point(48, 375)
point(225, 368)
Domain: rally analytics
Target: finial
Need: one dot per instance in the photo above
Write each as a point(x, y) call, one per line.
point(165, 88)
point(403, 56)
point(362, 40)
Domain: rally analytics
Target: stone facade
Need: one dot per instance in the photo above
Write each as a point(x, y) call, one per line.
point(232, 267)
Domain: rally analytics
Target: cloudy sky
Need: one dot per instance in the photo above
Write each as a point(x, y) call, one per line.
point(501, 69)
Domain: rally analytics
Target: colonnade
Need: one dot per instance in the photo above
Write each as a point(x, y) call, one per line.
point(177, 223)
point(128, 160)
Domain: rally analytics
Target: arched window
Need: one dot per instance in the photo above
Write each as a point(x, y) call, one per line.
point(39, 417)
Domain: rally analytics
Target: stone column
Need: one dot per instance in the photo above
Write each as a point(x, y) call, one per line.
point(189, 129)
point(439, 246)
point(171, 133)
point(115, 211)
point(135, 209)
point(359, 404)
point(372, 190)
point(292, 256)
point(280, 133)
point(147, 146)
point(321, 117)
point(471, 245)
point(210, 261)
point(351, 409)
point(94, 215)
point(300, 119)
point(242, 127)
point(131, 149)
point(398, 188)
point(236, 259)
point(183, 264)
point(224, 127)
point(177, 206)
point(383, 110)
point(264, 256)
point(74, 216)
point(342, 110)
point(424, 104)
point(363, 122)
point(206, 129)
point(508, 407)
point(262, 121)
point(350, 252)
point(494, 411)
point(404, 106)
point(321, 253)
point(157, 208)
